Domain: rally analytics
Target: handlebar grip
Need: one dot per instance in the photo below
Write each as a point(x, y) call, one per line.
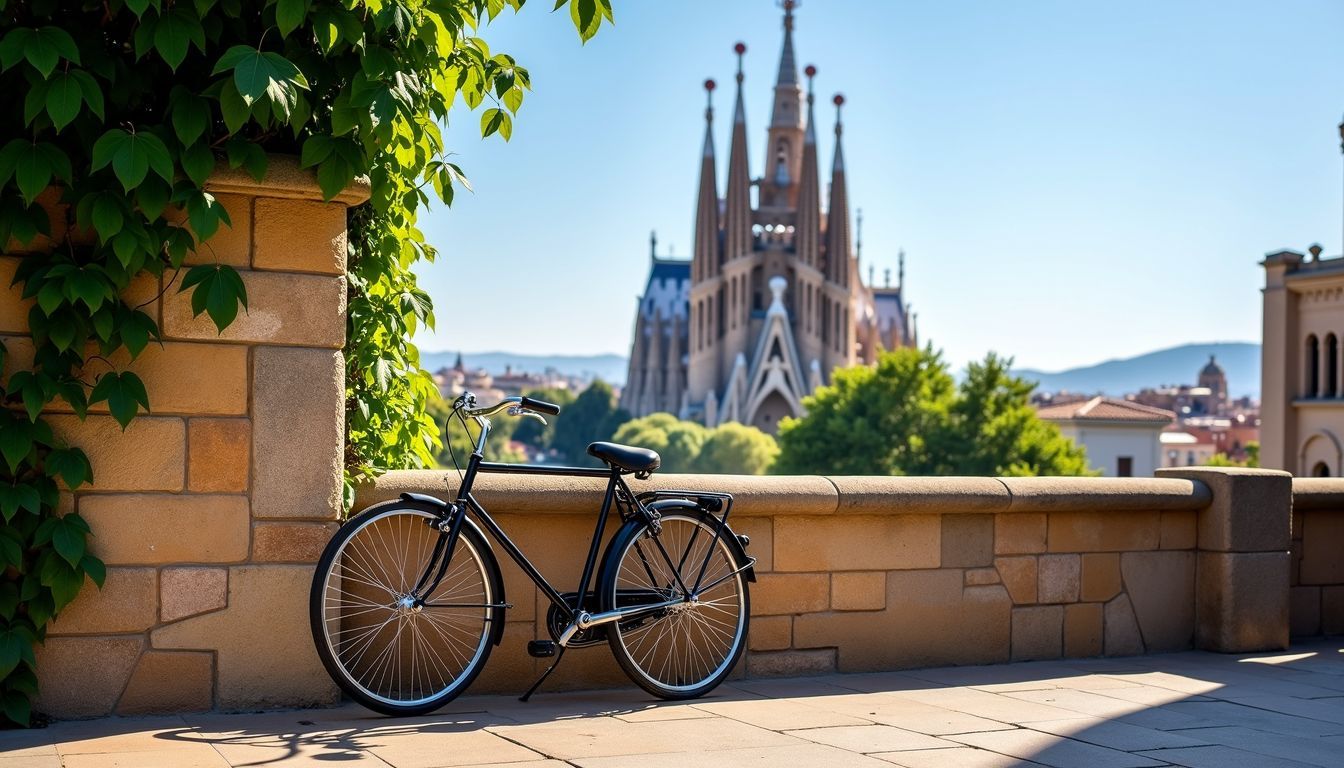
point(540, 406)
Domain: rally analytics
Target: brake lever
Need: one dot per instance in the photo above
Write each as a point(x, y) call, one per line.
point(517, 411)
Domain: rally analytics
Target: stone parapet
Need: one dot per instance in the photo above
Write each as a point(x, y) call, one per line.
point(1316, 566)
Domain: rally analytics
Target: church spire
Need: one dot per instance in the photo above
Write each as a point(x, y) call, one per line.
point(705, 253)
point(783, 150)
point(808, 235)
point(737, 211)
point(837, 215)
point(788, 70)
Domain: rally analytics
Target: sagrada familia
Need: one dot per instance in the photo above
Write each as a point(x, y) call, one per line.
point(771, 301)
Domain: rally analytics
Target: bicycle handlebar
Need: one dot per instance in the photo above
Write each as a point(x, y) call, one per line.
point(467, 399)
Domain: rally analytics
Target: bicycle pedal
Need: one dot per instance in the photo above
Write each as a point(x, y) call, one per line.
point(541, 649)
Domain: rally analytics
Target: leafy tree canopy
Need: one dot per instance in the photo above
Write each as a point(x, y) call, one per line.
point(591, 417)
point(533, 432)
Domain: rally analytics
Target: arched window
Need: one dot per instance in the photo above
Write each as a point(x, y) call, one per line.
point(1313, 367)
point(1320, 470)
point(1331, 388)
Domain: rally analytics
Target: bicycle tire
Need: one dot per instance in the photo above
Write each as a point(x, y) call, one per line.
point(670, 664)
point(347, 624)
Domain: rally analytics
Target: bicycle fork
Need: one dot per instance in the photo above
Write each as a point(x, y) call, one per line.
point(451, 526)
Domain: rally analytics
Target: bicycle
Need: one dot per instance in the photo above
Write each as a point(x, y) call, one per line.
point(408, 599)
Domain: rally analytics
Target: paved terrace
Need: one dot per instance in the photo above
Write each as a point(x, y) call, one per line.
point(1190, 709)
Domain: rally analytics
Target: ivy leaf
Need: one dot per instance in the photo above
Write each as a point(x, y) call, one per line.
point(198, 162)
point(191, 116)
point(71, 465)
point(289, 15)
point(89, 286)
point(175, 31)
point(333, 176)
point(69, 541)
point(259, 73)
point(107, 216)
point(43, 48)
point(93, 95)
point(493, 120)
point(513, 99)
point(218, 290)
point(316, 148)
point(231, 105)
point(64, 95)
point(586, 18)
point(94, 568)
point(16, 441)
point(132, 155)
point(248, 155)
point(11, 651)
point(32, 172)
point(204, 213)
point(152, 197)
point(136, 329)
point(18, 497)
point(123, 393)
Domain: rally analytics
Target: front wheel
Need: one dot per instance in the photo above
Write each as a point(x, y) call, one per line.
point(387, 650)
point(687, 649)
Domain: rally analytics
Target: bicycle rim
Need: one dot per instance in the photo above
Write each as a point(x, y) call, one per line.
point(384, 647)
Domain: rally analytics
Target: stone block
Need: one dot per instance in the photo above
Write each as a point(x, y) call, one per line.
point(820, 661)
point(1304, 611)
point(275, 313)
point(1101, 576)
point(879, 494)
point(1122, 636)
point(857, 543)
point(274, 668)
point(1038, 632)
point(128, 602)
point(1019, 576)
point(761, 532)
point(1250, 511)
point(1104, 531)
point(1082, 630)
point(298, 410)
point(1161, 588)
point(219, 455)
point(232, 243)
point(169, 682)
point(185, 378)
point(154, 529)
point(149, 455)
point(979, 577)
point(1058, 578)
point(968, 541)
point(1180, 530)
point(13, 307)
point(84, 676)
point(1322, 543)
point(1332, 610)
point(187, 592)
point(1242, 601)
point(770, 633)
point(789, 593)
point(299, 236)
point(859, 591)
point(290, 542)
point(1019, 533)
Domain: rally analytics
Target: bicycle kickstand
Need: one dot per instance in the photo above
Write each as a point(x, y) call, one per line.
point(560, 654)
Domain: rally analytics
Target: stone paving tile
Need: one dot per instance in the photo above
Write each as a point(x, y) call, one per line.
point(31, 761)
point(779, 714)
point(871, 738)
point(1315, 751)
point(958, 757)
point(991, 706)
point(668, 712)
point(1083, 702)
point(872, 682)
point(204, 757)
point(1049, 749)
point(1117, 735)
point(427, 747)
point(891, 709)
point(785, 688)
point(1148, 695)
point(1227, 713)
point(803, 755)
point(1221, 757)
point(607, 736)
point(1330, 710)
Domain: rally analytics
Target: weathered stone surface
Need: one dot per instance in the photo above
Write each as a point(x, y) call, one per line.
point(186, 378)
point(1242, 601)
point(1332, 610)
point(859, 591)
point(788, 593)
point(188, 591)
point(1104, 531)
point(1082, 630)
point(1038, 632)
point(1019, 576)
point(1122, 637)
point(1179, 530)
point(277, 667)
point(979, 577)
point(770, 633)
point(290, 542)
point(791, 663)
point(219, 455)
point(1019, 533)
point(1058, 579)
point(299, 236)
point(968, 541)
point(13, 307)
point(1250, 508)
point(298, 400)
point(760, 530)
point(169, 681)
point(1322, 545)
point(1103, 494)
point(232, 243)
point(880, 495)
point(857, 543)
point(1101, 576)
point(1304, 611)
point(276, 314)
point(150, 455)
point(84, 676)
point(151, 529)
point(128, 602)
point(1161, 587)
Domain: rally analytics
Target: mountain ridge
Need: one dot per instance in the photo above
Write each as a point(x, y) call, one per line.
point(1181, 364)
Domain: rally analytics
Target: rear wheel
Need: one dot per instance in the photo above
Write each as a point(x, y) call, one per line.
point(386, 650)
point(687, 649)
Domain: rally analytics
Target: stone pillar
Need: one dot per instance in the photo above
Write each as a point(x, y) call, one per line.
point(1242, 572)
point(1282, 369)
point(211, 509)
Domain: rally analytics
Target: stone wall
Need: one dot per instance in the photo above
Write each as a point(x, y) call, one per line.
point(210, 509)
point(1318, 556)
point(873, 573)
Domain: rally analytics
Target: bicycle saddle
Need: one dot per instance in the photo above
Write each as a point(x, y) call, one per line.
point(626, 457)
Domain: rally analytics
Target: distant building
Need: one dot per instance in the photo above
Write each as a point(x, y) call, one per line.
point(1122, 438)
point(1185, 449)
point(771, 301)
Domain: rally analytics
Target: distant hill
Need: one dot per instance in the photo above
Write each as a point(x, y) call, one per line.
point(1177, 365)
point(609, 368)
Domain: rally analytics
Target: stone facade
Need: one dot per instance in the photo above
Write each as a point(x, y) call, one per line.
point(1317, 574)
point(209, 510)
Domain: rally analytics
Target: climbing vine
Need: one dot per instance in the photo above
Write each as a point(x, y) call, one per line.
point(117, 113)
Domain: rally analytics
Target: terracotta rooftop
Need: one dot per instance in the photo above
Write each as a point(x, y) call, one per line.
point(1105, 409)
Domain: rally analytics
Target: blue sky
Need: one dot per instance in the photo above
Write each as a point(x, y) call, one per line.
point(1072, 181)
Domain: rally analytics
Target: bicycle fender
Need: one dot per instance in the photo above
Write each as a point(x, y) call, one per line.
point(632, 527)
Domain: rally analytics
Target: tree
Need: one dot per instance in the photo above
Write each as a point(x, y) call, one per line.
point(461, 440)
point(677, 442)
point(1252, 459)
point(533, 432)
point(906, 416)
point(736, 449)
point(592, 416)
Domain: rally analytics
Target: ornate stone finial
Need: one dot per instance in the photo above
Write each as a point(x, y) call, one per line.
point(886, 277)
point(839, 101)
point(788, 6)
point(1315, 251)
point(777, 286)
point(653, 244)
point(710, 85)
point(1341, 136)
point(740, 49)
point(900, 268)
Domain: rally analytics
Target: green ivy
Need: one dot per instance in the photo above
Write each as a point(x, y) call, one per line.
point(128, 107)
